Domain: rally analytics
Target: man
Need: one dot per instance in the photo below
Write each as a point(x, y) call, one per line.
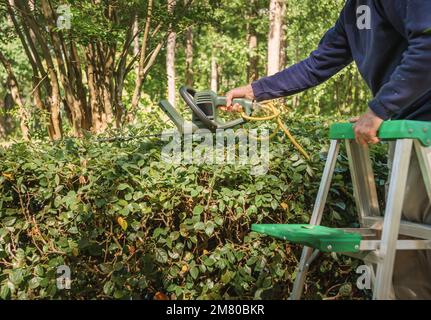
point(393, 54)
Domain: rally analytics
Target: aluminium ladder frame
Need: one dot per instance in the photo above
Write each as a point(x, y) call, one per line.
point(380, 252)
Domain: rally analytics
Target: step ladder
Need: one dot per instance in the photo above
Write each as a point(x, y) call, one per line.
point(376, 241)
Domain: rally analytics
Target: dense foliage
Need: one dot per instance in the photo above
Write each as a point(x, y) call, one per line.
point(130, 226)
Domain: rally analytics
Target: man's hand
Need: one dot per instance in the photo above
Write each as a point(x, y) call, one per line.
point(245, 92)
point(366, 128)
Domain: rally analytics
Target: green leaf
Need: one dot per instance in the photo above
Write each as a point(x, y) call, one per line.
point(158, 232)
point(123, 186)
point(336, 215)
point(118, 294)
point(218, 220)
point(16, 277)
point(4, 291)
point(174, 271)
point(198, 210)
point(57, 179)
point(194, 272)
point(108, 288)
point(209, 262)
point(161, 255)
point(226, 277)
point(34, 283)
point(195, 192)
point(209, 229)
point(341, 205)
point(174, 235)
point(9, 221)
point(199, 226)
point(345, 290)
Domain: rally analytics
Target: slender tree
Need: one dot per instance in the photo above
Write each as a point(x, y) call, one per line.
point(276, 14)
point(189, 57)
point(13, 87)
point(283, 38)
point(252, 41)
point(170, 57)
point(214, 73)
point(146, 60)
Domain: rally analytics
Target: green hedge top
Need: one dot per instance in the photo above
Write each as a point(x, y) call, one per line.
point(129, 225)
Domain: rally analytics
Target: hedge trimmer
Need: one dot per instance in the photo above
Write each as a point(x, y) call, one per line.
point(205, 106)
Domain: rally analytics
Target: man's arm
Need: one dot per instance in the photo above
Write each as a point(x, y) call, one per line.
point(332, 55)
point(412, 79)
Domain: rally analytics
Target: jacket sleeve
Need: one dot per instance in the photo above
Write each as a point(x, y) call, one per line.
point(412, 78)
point(332, 55)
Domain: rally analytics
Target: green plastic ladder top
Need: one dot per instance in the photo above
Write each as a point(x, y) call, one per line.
point(318, 237)
point(389, 130)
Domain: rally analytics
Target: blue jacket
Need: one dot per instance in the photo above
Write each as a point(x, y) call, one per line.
point(393, 57)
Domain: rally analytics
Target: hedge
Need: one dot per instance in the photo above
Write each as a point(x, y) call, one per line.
point(130, 226)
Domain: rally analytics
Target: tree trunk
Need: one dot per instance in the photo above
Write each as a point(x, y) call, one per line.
point(6, 123)
point(283, 40)
point(90, 100)
point(3, 129)
point(189, 57)
point(81, 92)
point(50, 53)
point(253, 58)
point(93, 88)
point(64, 69)
point(214, 74)
point(135, 32)
point(141, 65)
point(170, 59)
point(12, 84)
point(107, 86)
point(274, 35)
point(120, 73)
point(30, 34)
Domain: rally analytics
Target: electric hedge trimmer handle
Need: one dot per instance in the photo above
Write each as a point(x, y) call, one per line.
point(247, 108)
point(204, 105)
point(188, 95)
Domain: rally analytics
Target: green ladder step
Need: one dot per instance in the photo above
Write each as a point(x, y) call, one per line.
point(318, 237)
point(389, 130)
